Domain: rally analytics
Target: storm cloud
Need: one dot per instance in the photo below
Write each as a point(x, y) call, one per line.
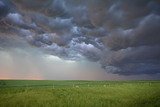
point(122, 35)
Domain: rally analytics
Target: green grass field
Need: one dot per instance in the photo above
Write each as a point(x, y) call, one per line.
point(23, 93)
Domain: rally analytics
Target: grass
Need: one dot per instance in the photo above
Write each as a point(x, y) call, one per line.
point(23, 93)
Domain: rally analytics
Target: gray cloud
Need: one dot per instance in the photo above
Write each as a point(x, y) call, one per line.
point(146, 33)
point(3, 9)
point(123, 35)
point(133, 60)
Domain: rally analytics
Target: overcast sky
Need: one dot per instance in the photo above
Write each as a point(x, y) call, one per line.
point(80, 39)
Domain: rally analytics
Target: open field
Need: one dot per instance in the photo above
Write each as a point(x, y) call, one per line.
point(47, 93)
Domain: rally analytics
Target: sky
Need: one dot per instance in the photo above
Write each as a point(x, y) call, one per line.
point(80, 39)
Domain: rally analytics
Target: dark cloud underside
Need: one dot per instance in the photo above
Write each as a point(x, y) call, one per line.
point(122, 35)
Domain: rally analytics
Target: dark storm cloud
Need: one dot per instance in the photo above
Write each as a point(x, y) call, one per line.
point(122, 35)
point(3, 9)
point(59, 25)
point(146, 33)
point(6, 6)
point(129, 60)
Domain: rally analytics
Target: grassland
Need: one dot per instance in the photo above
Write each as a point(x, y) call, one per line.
point(23, 93)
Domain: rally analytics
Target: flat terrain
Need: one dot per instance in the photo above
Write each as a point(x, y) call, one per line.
point(23, 93)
